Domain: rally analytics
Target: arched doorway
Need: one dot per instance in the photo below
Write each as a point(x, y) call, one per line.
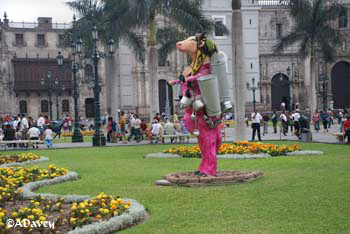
point(341, 84)
point(280, 91)
point(89, 108)
point(162, 86)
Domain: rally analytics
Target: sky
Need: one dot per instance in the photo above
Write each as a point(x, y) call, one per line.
point(30, 10)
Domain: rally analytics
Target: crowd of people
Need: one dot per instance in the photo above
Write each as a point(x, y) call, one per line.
point(22, 127)
point(296, 122)
point(131, 127)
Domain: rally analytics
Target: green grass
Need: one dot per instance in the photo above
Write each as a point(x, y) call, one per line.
point(305, 194)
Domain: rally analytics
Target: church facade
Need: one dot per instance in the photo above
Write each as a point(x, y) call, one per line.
point(29, 73)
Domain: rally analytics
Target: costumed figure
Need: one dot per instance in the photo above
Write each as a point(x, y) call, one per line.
point(202, 97)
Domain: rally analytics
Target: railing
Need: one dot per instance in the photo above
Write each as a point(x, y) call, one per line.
point(273, 2)
point(267, 3)
point(36, 25)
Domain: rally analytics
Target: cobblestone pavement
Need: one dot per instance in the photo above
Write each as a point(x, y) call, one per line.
point(321, 136)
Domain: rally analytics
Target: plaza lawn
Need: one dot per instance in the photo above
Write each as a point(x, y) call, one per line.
point(304, 194)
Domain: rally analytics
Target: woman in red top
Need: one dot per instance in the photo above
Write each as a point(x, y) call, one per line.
point(347, 128)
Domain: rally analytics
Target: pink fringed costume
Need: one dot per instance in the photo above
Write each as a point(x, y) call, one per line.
point(209, 139)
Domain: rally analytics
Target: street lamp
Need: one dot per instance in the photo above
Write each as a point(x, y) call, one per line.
point(98, 138)
point(76, 51)
point(48, 83)
point(323, 91)
point(253, 88)
point(52, 86)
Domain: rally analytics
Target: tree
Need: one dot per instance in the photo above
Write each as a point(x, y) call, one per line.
point(316, 36)
point(237, 72)
point(121, 19)
point(185, 17)
point(112, 20)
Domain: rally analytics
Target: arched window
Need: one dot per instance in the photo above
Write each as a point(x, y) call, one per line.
point(65, 105)
point(44, 106)
point(89, 72)
point(23, 107)
point(343, 19)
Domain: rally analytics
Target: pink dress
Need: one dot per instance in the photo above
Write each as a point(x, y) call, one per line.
point(209, 139)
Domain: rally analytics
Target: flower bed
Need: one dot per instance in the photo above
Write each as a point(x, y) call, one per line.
point(19, 203)
point(18, 158)
point(242, 147)
point(84, 133)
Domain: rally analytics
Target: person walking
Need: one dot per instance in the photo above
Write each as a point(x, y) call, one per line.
point(296, 117)
point(290, 122)
point(330, 118)
point(274, 120)
point(325, 118)
point(48, 136)
point(266, 119)
point(156, 130)
point(137, 128)
point(169, 129)
point(132, 128)
point(123, 126)
point(256, 120)
point(347, 128)
point(284, 123)
point(316, 118)
point(34, 134)
point(111, 130)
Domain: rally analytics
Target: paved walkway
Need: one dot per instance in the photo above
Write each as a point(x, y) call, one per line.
point(321, 136)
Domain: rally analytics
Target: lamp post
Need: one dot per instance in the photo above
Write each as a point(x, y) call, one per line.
point(323, 89)
point(60, 64)
point(52, 86)
point(253, 88)
point(98, 138)
point(48, 83)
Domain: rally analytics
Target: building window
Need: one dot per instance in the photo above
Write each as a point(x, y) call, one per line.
point(343, 19)
point(65, 105)
point(44, 106)
point(278, 30)
point(41, 39)
point(89, 73)
point(23, 107)
point(61, 40)
point(221, 19)
point(19, 39)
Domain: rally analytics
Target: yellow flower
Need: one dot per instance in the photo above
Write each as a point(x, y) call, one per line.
point(14, 214)
point(42, 218)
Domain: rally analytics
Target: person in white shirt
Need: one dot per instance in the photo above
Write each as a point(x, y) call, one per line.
point(284, 121)
point(24, 123)
point(48, 136)
point(132, 127)
point(156, 129)
point(34, 134)
point(169, 129)
point(256, 120)
point(16, 122)
point(296, 117)
point(137, 128)
point(40, 123)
